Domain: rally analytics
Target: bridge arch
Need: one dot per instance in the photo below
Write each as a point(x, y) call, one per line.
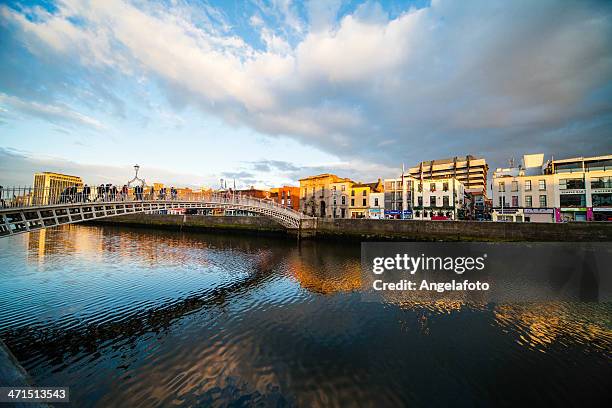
point(28, 218)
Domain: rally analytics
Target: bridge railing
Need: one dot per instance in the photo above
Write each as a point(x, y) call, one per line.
point(24, 197)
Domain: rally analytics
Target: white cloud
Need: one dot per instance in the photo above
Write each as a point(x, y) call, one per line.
point(53, 113)
point(473, 71)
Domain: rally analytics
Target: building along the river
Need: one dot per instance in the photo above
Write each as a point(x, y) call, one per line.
point(438, 199)
point(377, 206)
point(469, 170)
point(322, 195)
point(359, 204)
point(398, 198)
point(49, 185)
point(575, 189)
point(287, 196)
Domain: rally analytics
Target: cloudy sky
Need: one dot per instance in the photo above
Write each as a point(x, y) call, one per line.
point(267, 91)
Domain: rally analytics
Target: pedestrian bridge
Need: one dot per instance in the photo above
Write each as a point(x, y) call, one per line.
point(34, 211)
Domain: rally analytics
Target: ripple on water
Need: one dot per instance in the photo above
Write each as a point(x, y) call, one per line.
point(155, 318)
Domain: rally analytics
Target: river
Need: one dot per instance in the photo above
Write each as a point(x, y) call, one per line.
point(144, 318)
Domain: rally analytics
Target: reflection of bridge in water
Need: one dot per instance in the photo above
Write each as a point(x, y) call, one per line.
point(33, 210)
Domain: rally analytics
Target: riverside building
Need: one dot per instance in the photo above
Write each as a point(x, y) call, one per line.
point(398, 198)
point(575, 189)
point(469, 170)
point(438, 199)
point(325, 195)
point(49, 185)
point(359, 206)
point(287, 196)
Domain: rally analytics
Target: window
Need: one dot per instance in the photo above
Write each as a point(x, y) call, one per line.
point(528, 201)
point(334, 201)
point(288, 194)
point(502, 187)
point(515, 185)
point(334, 188)
point(352, 202)
point(363, 193)
point(420, 201)
point(445, 201)
point(571, 184)
point(343, 200)
point(601, 182)
point(575, 167)
point(432, 201)
point(542, 185)
point(352, 193)
point(542, 201)
point(502, 201)
point(599, 165)
point(572, 200)
point(364, 202)
point(343, 188)
point(515, 201)
point(432, 187)
point(527, 185)
point(376, 202)
point(602, 200)
point(445, 186)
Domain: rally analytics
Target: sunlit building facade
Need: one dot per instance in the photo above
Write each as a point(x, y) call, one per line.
point(575, 189)
point(49, 186)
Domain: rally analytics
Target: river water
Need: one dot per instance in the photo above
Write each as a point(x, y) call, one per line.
point(143, 318)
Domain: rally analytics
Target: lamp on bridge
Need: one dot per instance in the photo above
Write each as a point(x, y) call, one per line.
point(136, 180)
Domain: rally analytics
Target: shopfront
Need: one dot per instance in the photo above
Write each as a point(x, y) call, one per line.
point(539, 214)
point(602, 214)
point(375, 213)
point(573, 214)
point(392, 214)
point(508, 215)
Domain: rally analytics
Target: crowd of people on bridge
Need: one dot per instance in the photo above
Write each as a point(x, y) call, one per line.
point(110, 192)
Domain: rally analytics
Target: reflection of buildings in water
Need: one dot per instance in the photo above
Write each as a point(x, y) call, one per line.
point(144, 247)
point(66, 240)
point(325, 271)
point(542, 324)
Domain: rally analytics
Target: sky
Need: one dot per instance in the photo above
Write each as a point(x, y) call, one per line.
point(267, 91)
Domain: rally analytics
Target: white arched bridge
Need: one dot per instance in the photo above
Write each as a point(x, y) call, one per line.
point(24, 210)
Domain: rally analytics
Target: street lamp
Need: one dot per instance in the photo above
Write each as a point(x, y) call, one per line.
point(136, 179)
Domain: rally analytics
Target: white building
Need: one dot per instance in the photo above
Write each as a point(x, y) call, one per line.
point(576, 189)
point(438, 199)
point(376, 209)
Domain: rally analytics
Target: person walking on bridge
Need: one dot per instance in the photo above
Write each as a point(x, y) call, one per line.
point(2, 202)
point(86, 193)
point(100, 196)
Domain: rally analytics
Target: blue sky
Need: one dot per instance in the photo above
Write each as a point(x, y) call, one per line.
point(270, 91)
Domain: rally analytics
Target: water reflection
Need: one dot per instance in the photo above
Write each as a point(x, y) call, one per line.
point(133, 317)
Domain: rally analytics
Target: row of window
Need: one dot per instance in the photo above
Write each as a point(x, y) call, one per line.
point(432, 201)
point(528, 201)
point(432, 187)
point(564, 184)
point(541, 186)
point(565, 200)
